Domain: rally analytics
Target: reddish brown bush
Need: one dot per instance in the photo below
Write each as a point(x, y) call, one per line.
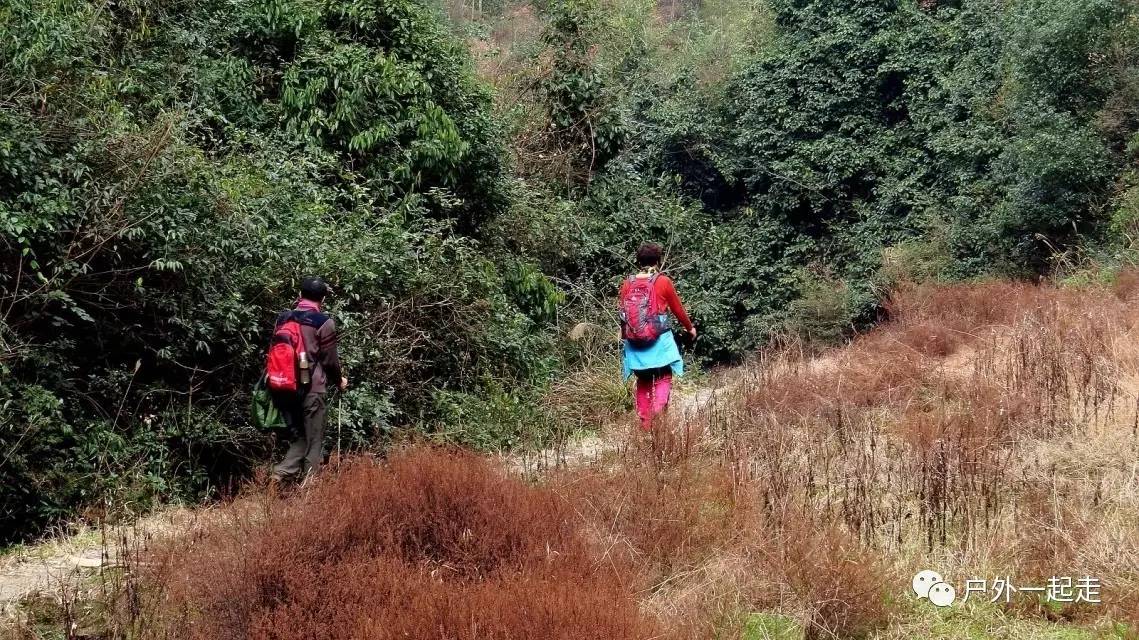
point(842, 586)
point(665, 522)
point(965, 308)
point(693, 528)
point(429, 543)
point(1126, 285)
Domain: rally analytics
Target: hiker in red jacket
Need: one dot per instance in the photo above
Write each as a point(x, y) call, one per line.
point(650, 350)
point(304, 408)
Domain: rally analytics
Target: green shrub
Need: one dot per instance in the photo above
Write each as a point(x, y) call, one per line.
point(838, 139)
point(493, 418)
point(168, 173)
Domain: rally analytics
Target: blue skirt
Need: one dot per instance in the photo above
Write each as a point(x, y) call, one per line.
point(662, 353)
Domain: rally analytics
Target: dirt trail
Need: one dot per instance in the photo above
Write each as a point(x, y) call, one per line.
point(48, 567)
point(596, 448)
point(24, 576)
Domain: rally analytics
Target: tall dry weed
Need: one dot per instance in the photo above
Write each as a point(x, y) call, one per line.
point(707, 547)
point(429, 542)
point(925, 437)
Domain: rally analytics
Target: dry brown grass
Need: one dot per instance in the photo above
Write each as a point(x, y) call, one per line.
point(985, 430)
point(706, 549)
point(989, 427)
point(428, 542)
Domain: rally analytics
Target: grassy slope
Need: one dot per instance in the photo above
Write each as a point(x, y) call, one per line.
point(987, 430)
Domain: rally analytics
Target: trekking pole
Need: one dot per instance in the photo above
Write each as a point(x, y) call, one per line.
point(339, 422)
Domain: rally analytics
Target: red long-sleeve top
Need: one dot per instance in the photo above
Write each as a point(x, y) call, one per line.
point(669, 300)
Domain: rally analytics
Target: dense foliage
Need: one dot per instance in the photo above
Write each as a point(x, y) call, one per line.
point(169, 170)
point(788, 151)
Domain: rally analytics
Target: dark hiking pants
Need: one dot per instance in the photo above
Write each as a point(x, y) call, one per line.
point(305, 417)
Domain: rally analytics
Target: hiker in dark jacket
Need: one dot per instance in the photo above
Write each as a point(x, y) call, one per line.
point(304, 410)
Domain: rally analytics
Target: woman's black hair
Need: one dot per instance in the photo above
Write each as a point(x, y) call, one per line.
point(649, 255)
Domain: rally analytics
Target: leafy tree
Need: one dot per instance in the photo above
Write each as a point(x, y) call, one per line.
point(169, 171)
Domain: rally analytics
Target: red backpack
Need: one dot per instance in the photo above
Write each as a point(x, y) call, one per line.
point(284, 354)
point(642, 320)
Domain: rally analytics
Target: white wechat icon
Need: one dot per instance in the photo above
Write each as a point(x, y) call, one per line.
point(924, 580)
point(942, 594)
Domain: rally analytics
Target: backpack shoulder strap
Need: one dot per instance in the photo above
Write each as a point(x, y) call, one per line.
point(314, 319)
point(627, 284)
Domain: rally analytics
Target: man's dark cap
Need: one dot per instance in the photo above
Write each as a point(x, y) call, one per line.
point(313, 288)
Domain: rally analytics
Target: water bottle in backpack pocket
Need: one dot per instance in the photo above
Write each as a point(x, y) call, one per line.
point(305, 368)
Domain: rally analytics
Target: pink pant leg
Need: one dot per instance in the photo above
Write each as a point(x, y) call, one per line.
point(653, 389)
point(645, 399)
point(662, 387)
